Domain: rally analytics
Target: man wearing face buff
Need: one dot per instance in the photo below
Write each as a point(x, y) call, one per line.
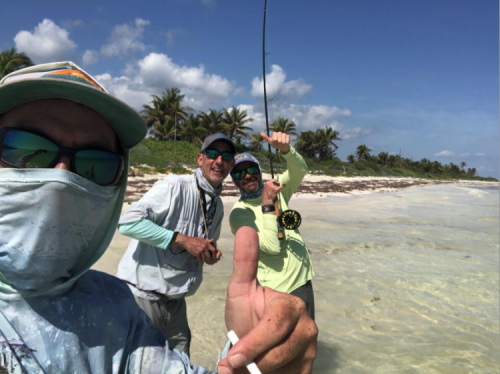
point(284, 265)
point(64, 150)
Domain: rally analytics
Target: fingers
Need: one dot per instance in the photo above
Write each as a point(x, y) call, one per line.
point(285, 339)
point(266, 138)
point(246, 256)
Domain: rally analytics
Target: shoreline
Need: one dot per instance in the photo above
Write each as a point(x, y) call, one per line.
point(313, 185)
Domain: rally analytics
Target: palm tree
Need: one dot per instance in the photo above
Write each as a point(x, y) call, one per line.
point(307, 144)
point(284, 125)
point(463, 165)
point(436, 167)
point(325, 139)
point(471, 172)
point(192, 130)
point(164, 131)
point(239, 145)
point(10, 60)
point(211, 121)
point(156, 114)
point(426, 165)
point(256, 141)
point(363, 153)
point(176, 111)
point(454, 168)
point(233, 123)
point(383, 157)
point(351, 159)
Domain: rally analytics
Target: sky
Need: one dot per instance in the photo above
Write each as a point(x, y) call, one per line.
point(418, 78)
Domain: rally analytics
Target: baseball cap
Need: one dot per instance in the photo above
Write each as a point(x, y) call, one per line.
point(65, 80)
point(245, 157)
point(215, 138)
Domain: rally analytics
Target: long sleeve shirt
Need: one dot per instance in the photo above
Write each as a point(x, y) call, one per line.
point(94, 326)
point(284, 265)
point(153, 265)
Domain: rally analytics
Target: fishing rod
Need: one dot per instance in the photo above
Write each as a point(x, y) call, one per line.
point(290, 219)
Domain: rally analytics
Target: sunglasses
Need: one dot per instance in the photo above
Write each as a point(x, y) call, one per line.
point(25, 149)
point(214, 154)
point(240, 174)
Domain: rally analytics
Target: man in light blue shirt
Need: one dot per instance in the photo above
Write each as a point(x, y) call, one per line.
point(64, 149)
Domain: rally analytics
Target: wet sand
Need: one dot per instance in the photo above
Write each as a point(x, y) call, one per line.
point(406, 280)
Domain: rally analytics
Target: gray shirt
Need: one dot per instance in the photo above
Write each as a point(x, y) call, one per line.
point(173, 203)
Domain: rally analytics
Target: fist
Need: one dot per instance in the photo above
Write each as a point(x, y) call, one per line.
point(279, 141)
point(271, 191)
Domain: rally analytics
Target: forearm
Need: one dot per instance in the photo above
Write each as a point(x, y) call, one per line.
point(296, 165)
point(148, 232)
point(268, 236)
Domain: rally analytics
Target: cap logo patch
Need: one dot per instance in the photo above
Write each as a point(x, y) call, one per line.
point(241, 157)
point(72, 75)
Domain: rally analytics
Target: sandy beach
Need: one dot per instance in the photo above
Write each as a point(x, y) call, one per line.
point(407, 274)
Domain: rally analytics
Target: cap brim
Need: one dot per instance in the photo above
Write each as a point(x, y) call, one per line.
point(129, 126)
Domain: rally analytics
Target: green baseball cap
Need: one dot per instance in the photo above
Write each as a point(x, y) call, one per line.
point(65, 80)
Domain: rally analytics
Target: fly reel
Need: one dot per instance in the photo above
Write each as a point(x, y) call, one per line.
point(290, 219)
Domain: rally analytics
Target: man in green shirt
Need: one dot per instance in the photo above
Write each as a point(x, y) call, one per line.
point(284, 265)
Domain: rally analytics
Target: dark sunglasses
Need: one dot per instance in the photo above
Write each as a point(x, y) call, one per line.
point(214, 154)
point(25, 149)
point(240, 174)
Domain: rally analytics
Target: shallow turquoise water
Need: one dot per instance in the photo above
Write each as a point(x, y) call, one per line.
point(406, 282)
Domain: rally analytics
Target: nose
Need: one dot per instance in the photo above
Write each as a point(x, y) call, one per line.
point(63, 163)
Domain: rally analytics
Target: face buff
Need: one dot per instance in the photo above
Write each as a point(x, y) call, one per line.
point(54, 225)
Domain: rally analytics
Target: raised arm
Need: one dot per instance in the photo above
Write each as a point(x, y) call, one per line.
point(296, 166)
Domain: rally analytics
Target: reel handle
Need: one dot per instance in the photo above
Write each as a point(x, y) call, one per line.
point(281, 236)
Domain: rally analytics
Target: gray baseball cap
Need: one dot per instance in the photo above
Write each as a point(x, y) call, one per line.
point(215, 138)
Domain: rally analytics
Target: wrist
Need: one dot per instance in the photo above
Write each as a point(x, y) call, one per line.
point(268, 208)
point(178, 239)
point(285, 150)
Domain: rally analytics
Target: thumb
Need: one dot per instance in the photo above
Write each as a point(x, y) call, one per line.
point(266, 138)
point(246, 255)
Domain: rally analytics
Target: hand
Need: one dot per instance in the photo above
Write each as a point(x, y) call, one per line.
point(215, 257)
point(274, 328)
point(203, 249)
point(271, 190)
point(279, 140)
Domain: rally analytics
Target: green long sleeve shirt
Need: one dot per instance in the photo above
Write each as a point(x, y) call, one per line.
point(284, 265)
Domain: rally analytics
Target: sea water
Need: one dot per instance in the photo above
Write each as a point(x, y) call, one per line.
point(406, 282)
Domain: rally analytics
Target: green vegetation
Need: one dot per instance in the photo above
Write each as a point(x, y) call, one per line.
point(10, 61)
point(155, 156)
point(177, 134)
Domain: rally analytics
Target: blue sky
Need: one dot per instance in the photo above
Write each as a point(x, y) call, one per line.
point(418, 77)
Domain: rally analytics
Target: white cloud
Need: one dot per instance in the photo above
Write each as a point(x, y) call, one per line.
point(68, 24)
point(172, 35)
point(479, 154)
point(125, 39)
point(48, 42)
point(202, 90)
point(305, 117)
point(90, 57)
point(353, 132)
point(444, 154)
point(209, 3)
point(156, 71)
point(126, 89)
point(276, 85)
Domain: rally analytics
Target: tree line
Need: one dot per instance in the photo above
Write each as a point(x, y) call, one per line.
point(396, 161)
point(167, 119)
